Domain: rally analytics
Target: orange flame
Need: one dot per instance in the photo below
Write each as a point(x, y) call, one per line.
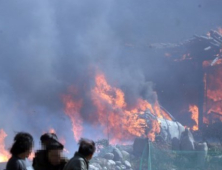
point(120, 121)
point(213, 84)
point(114, 114)
point(4, 154)
point(195, 112)
point(72, 109)
point(214, 92)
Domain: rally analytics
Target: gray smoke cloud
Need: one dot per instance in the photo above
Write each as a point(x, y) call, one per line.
point(46, 46)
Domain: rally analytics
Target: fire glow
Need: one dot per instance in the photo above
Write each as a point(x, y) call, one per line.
point(4, 154)
point(194, 110)
point(214, 93)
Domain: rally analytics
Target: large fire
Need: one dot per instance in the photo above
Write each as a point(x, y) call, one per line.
point(117, 117)
point(120, 122)
point(4, 154)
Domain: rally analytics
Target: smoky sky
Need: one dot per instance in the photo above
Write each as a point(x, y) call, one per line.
point(48, 45)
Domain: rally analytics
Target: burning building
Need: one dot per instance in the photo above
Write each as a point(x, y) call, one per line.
point(85, 69)
point(200, 59)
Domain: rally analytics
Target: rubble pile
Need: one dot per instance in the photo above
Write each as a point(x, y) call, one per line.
point(116, 158)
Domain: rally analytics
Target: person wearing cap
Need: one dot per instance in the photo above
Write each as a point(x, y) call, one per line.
point(48, 138)
point(53, 158)
point(80, 161)
point(40, 155)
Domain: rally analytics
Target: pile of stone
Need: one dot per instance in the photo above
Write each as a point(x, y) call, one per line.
point(119, 158)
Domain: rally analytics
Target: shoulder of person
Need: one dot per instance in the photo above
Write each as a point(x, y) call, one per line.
point(14, 164)
point(78, 158)
point(79, 164)
point(76, 163)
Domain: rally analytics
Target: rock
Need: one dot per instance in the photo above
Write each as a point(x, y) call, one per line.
point(91, 167)
point(126, 155)
point(139, 145)
point(213, 142)
point(118, 163)
point(170, 129)
point(187, 141)
point(118, 168)
point(123, 167)
point(97, 165)
point(109, 156)
point(127, 163)
point(175, 144)
point(127, 148)
point(117, 155)
point(111, 163)
point(101, 161)
point(202, 153)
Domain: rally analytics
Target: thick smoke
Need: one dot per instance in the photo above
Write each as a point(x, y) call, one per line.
point(47, 46)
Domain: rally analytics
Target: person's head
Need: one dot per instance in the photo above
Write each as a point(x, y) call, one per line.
point(86, 148)
point(48, 138)
point(54, 152)
point(22, 146)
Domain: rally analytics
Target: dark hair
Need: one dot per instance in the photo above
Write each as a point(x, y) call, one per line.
point(86, 147)
point(54, 146)
point(48, 137)
point(22, 142)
